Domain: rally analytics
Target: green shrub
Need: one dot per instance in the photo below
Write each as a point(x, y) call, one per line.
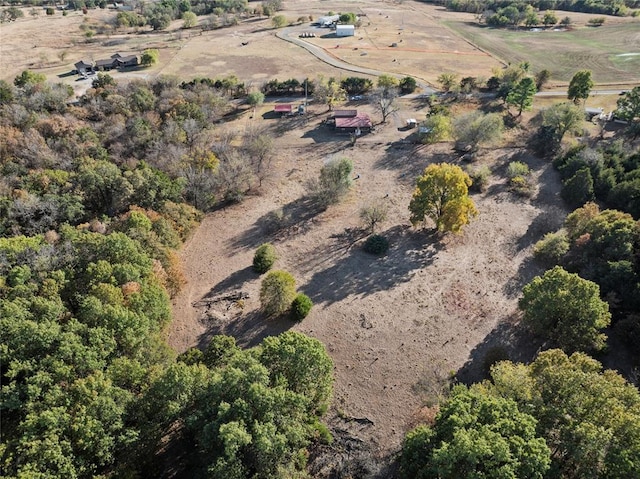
point(376, 244)
point(264, 258)
point(479, 177)
point(301, 306)
point(520, 185)
point(552, 247)
point(517, 168)
point(277, 292)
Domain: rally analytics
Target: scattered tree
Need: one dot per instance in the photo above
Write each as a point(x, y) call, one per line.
point(373, 214)
point(438, 128)
point(301, 307)
point(189, 20)
point(549, 18)
point(580, 86)
point(441, 194)
point(264, 258)
point(521, 96)
point(408, 85)
point(277, 292)
point(567, 309)
point(542, 78)
point(475, 128)
point(448, 80)
point(334, 182)
point(279, 21)
point(149, 57)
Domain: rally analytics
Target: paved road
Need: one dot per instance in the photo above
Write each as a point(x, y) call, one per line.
point(290, 35)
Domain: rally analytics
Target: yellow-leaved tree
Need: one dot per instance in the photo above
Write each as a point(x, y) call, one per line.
point(442, 194)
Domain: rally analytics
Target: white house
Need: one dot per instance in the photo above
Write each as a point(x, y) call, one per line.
point(345, 30)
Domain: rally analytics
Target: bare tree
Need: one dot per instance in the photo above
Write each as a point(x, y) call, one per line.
point(384, 101)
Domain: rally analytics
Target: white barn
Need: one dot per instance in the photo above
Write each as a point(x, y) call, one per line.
point(345, 30)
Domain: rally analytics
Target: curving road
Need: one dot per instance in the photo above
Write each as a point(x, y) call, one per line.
point(327, 57)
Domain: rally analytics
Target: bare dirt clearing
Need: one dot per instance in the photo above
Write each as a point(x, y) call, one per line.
point(398, 325)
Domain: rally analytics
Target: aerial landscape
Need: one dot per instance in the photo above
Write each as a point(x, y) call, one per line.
point(321, 239)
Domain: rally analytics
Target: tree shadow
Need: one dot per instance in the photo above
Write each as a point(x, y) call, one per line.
point(234, 281)
point(410, 160)
point(509, 340)
point(326, 134)
point(293, 218)
point(248, 329)
point(354, 272)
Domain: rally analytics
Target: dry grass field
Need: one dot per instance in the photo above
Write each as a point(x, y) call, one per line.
point(398, 327)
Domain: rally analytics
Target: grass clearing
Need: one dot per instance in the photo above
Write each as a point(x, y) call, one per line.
point(606, 50)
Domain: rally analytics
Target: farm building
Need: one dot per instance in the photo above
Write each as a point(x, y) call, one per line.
point(360, 122)
point(125, 60)
point(345, 113)
point(83, 66)
point(328, 21)
point(345, 30)
point(283, 108)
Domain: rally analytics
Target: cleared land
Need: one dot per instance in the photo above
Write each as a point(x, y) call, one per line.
point(396, 326)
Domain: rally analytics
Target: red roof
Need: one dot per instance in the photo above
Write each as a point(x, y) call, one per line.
point(360, 121)
point(283, 108)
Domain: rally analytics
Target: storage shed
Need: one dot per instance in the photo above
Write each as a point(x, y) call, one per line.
point(356, 123)
point(283, 108)
point(345, 30)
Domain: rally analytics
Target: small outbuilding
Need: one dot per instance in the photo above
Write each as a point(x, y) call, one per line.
point(345, 30)
point(283, 108)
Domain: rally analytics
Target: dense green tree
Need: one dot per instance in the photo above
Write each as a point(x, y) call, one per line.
point(255, 98)
point(149, 57)
point(521, 96)
point(407, 85)
point(567, 309)
point(189, 20)
point(264, 258)
point(628, 109)
point(580, 86)
point(277, 291)
point(448, 80)
point(557, 120)
point(438, 128)
point(328, 91)
point(348, 18)
point(542, 77)
point(301, 364)
point(590, 419)
point(442, 194)
point(549, 18)
point(578, 189)
point(27, 77)
point(474, 436)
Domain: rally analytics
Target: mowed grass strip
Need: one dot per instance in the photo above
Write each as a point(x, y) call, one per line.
point(607, 50)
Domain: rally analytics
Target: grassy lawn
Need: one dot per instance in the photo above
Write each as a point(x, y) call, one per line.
point(604, 50)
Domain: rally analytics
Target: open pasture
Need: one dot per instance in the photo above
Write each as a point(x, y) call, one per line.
point(611, 52)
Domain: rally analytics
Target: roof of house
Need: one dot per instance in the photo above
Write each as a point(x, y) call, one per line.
point(360, 121)
point(282, 108)
point(83, 63)
point(105, 63)
point(345, 113)
point(126, 59)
